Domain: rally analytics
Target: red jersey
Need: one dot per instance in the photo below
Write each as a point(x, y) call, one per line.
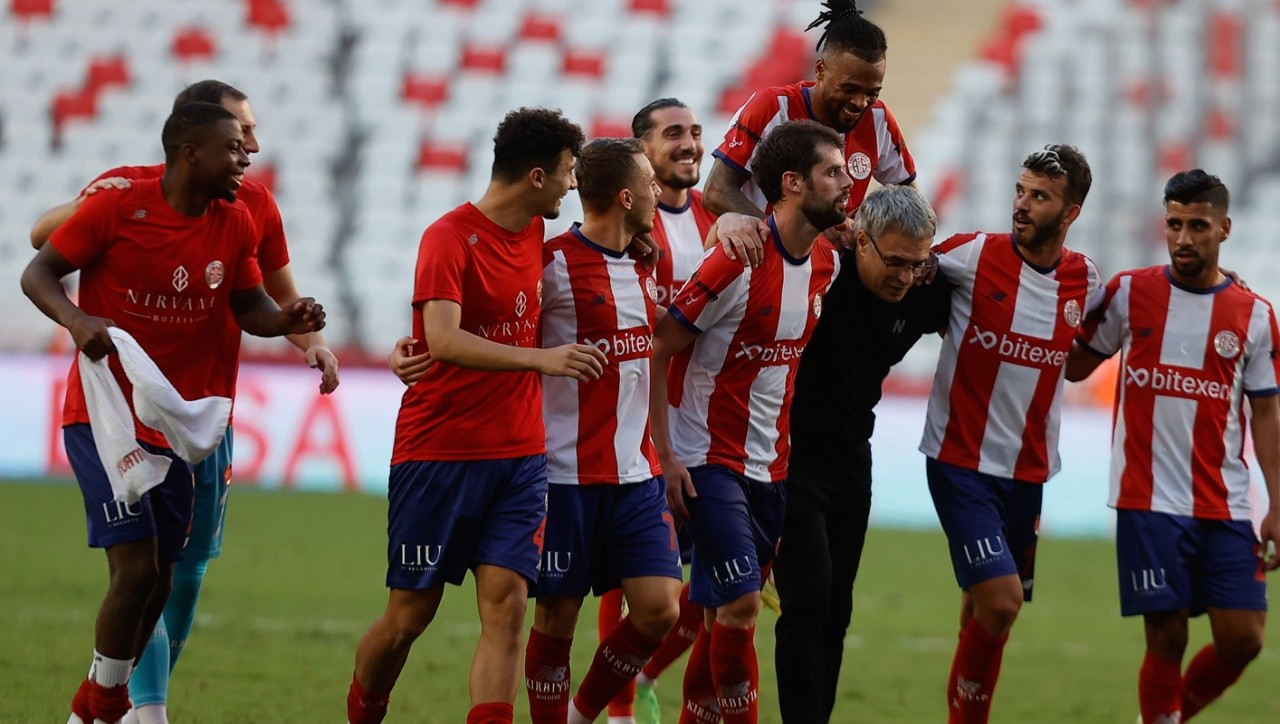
point(495, 275)
point(730, 390)
point(874, 148)
point(272, 255)
point(996, 401)
point(1189, 357)
point(598, 431)
point(680, 234)
point(164, 278)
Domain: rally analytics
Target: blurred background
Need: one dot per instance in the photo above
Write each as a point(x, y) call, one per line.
point(376, 116)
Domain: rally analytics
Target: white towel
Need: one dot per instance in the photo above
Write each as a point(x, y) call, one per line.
point(193, 428)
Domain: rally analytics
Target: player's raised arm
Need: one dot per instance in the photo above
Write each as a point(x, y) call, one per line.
point(723, 193)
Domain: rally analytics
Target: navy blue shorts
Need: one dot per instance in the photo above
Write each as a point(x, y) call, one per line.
point(598, 535)
point(447, 517)
point(736, 523)
point(1173, 562)
point(992, 523)
point(213, 480)
point(163, 512)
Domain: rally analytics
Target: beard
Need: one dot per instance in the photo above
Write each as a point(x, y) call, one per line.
point(1042, 233)
point(822, 214)
point(1189, 268)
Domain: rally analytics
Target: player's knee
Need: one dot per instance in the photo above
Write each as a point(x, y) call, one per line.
point(657, 618)
point(997, 613)
point(740, 612)
point(135, 578)
point(557, 616)
point(1238, 650)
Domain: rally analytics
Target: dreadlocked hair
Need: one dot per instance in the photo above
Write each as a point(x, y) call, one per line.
point(846, 30)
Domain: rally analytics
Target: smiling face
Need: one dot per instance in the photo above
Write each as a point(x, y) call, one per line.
point(220, 160)
point(643, 191)
point(248, 124)
point(1041, 213)
point(1194, 234)
point(556, 182)
point(674, 147)
point(846, 86)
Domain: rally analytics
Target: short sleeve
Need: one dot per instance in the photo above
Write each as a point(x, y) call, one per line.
point(442, 260)
point(955, 254)
point(1262, 353)
point(1103, 330)
point(711, 293)
point(84, 236)
point(273, 249)
point(895, 166)
point(746, 130)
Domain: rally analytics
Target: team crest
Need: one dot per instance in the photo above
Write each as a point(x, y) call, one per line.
point(1227, 344)
point(214, 274)
point(859, 165)
point(817, 305)
point(651, 288)
point(538, 292)
point(1071, 313)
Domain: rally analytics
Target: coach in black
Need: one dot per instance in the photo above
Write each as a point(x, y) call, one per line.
point(876, 310)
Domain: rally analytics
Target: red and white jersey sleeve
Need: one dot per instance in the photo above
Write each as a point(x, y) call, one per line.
point(875, 148)
point(730, 391)
point(997, 394)
point(679, 234)
point(1189, 358)
point(598, 431)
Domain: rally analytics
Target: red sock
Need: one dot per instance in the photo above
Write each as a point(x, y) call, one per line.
point(493, 712)
point(622, 704)
point(363, 707)
point(616, 664)
point(1159, 687)
point(700, 705)
point(1206, 678)
point(974, 672)
point(108, 703)
point(546, 677)
point(679, 638)
point(736, 673)
point(80, 703)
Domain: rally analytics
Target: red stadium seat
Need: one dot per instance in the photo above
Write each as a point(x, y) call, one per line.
point(424, 91)
point(270, 16)
point(30, 10)
point(1004, 47)
point(107, 71)
point(609, 127)
point(786, 58)
point(585, 63)
point(657, 7)
point(72, 104)
point(1223, 45)
point(1221, 125)
point(441, 157)
point(538, 27)
point(484, 58)
point(464, 4)
point(193, 43)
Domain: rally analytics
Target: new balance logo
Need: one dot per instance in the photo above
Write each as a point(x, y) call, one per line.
point(970, 690)
point(1174, 381)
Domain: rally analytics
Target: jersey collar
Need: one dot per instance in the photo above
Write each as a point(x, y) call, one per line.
point(777, 242)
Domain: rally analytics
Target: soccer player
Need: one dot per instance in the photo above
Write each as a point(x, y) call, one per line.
point(844, 96)
point(468, 481)
point(874, 313)
point(991, 432)
point(150, 684)
point(608, 523)
point(165, 260)
point(1194, 345)
point(730, 345)
point(672, 138)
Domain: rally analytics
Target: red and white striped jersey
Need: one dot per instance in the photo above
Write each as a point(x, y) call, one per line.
point(598, 431)
point(997, 393)
point(730, 391)
point(680, 234)
point(874, 148)
point(1189, 356)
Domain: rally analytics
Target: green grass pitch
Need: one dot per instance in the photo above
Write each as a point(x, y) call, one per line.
point(302, 576)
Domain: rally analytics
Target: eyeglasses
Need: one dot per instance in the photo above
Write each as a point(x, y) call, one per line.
point(917, 268)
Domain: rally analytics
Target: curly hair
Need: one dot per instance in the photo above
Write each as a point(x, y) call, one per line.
point(530, 138)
